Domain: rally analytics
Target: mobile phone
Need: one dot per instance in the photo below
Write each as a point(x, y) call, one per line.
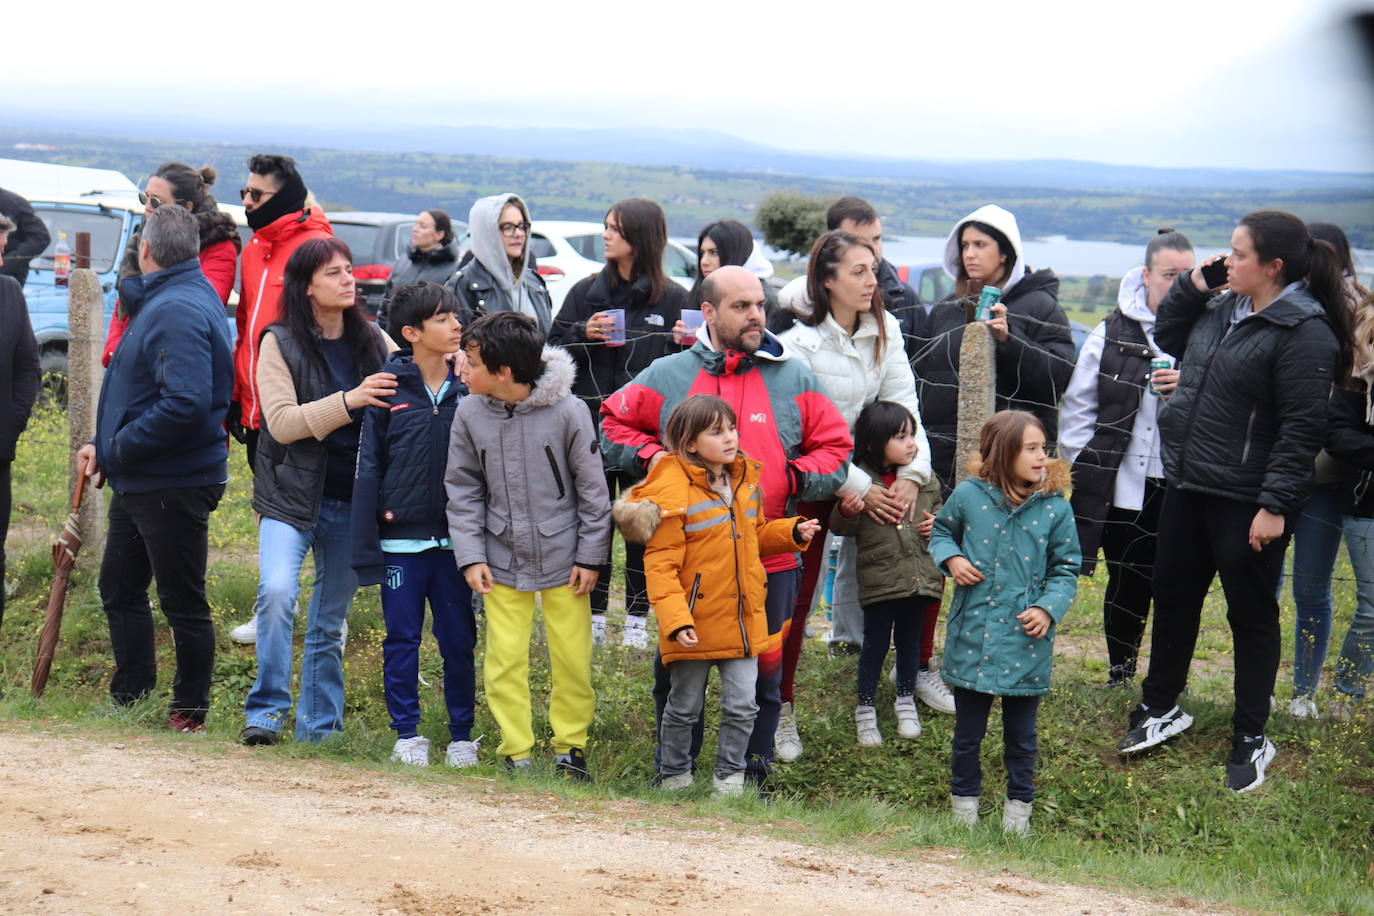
point(1214, 274)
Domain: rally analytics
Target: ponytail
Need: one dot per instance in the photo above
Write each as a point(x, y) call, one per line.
point(1326, 281)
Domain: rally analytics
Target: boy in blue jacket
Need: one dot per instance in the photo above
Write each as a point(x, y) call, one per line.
point(400, 531)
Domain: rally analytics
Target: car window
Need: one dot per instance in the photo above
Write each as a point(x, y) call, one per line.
point(106, 229)
point(361, 239)
point(541, 247)
point(935, 285)
point(402, 238)
point(591, 247)
point(676, 263)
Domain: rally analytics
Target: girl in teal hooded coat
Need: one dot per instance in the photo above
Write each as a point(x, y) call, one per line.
point(1007, 539)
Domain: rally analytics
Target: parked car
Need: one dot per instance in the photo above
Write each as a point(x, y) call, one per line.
point(929, 280)
point(565, 252)
point(376, 240)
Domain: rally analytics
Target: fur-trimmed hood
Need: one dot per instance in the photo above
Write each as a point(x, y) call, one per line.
point(553, 385)
point(666, 491)
point(1058, 475)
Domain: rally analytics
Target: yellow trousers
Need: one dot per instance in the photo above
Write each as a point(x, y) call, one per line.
point(506, 666)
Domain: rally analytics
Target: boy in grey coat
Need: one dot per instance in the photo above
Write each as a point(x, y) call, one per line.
point(528, 512)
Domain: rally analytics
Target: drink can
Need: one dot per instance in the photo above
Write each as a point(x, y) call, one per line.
point(989, 297)
point(1155, 365)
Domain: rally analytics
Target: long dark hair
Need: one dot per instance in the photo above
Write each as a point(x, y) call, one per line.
point(734, 245)
point(1004, 248)
point(298, 313)
point(645, 229)
point(825, 259)
point(1281, 235)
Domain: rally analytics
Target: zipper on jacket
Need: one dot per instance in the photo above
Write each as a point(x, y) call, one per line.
point(692, 601)
point(739, 583)
point(1249, 432)
point(482, 459)
point(557, 477)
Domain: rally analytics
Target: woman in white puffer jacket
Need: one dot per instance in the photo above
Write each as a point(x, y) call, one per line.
point(854, 347)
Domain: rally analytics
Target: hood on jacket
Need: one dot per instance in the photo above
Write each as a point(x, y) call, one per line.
point(1133, 298)
point(553, 385)
point(771, 347)
point(1058, 475)
point(487, 247)
point(665, 492)
point(1003, 221)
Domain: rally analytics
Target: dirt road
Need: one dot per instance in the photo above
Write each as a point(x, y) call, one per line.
point(151, 826)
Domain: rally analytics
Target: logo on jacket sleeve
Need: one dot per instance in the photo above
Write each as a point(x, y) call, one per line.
point(395, 577)
point(389, 516)
point(758, 418)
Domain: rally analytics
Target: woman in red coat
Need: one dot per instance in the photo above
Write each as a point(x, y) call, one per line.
point(176, 182)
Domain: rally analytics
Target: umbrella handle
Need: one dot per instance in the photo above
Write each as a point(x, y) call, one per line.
point(80, 491)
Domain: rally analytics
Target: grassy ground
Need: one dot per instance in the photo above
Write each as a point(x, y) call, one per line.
point(1302, 843)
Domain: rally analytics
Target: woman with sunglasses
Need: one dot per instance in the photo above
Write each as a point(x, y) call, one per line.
point(500, 277)
point(178, 183)
point(614, 323)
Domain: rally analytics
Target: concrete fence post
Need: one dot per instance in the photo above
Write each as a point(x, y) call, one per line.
point(86, 334)
point(977, 392)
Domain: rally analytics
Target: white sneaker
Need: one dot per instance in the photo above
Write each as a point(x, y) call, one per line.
point(343, 641)
point(731, 786)
point(908, 720)
point(245, 634)
point(965, 809)
point(676, 783)
point(866, 724)
point(787, 744)
point(1016, 817)
point(411, 751)
point(931, 690)
point(598, 629)
point(461, 754)
point(634, 635)
point(1303, 707)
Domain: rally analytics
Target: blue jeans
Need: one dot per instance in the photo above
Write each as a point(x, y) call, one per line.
point(281, 551)
point(1357, 653)
point(1316, 541)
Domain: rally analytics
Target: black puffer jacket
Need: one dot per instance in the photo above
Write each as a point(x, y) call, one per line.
point(415, 266)
point(1350, 440)
point(1034, 363)
point(1249, 414)
point(601, 369)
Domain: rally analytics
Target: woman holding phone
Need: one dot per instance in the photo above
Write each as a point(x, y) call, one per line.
point(1239, 438)
point(615, 323)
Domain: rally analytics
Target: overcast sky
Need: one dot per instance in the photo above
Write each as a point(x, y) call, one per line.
point(1244, 84)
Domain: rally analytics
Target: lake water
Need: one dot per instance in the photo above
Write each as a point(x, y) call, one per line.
point(1067, 257)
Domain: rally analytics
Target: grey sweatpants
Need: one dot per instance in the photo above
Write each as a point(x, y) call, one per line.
point(737, 711)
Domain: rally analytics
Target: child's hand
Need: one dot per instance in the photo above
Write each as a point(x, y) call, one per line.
point(807, 530)
point(479, 578)
point(1035, 621)
point(582, 581)
point(962, 571)
point(851, 505)
point(687, 637)
point(925, 525)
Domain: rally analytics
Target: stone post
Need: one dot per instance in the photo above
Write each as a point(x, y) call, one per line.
point(86, 335)
point(977, 392)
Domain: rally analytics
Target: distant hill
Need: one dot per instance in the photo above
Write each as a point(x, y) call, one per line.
point(712, 150)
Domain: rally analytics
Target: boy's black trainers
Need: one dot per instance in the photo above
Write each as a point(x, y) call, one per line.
point(573, 765)
point(1250, 754)
point(1150, 728)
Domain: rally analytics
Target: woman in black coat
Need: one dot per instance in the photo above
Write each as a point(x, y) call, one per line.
point(1239, 437)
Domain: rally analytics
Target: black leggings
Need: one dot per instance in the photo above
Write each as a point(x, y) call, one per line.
point(1128, 544)
point(971, 711)
point(4, 528)
point(898, 621)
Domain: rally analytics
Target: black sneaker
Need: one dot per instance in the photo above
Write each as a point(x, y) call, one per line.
point(1120, 675)
point(254, 736)
point(573, 765)
point(1150, 728)
point(517, 766)
point(1250, 754)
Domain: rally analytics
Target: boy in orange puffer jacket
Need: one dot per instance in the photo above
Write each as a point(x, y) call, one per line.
point(700, 514)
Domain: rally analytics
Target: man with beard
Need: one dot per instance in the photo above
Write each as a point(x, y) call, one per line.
point(786, 421)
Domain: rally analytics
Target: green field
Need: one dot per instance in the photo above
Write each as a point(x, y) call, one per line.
point(1163, 827)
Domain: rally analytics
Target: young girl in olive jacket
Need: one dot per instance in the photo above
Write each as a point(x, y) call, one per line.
point(898, 581)
point(700, 515)
point(1007, 539)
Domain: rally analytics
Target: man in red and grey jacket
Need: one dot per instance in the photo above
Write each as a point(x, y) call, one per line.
point(786, 421)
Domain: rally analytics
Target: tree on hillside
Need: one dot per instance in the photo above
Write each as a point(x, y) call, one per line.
point(790, 221)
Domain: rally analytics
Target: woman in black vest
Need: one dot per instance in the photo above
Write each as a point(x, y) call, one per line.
point(317, 369)
point(1239, 436)
point(632, 281)
point(1108, 429)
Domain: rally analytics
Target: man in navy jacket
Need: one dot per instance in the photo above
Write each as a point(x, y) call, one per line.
point(160, 441)
point(19, 378)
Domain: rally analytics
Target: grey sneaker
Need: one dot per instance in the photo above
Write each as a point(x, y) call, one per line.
point(866, 725)
point(411, 751)
point(908, 720)
point(634, 635)
point(965, 808)
point(787, 745)
point(731, 786)
point(461, 753)
point(1016, 817)
point(676, 783)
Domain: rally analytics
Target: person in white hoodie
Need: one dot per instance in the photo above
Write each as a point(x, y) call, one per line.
point(847, 338)
point(1109, 432)
point(499, 277)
